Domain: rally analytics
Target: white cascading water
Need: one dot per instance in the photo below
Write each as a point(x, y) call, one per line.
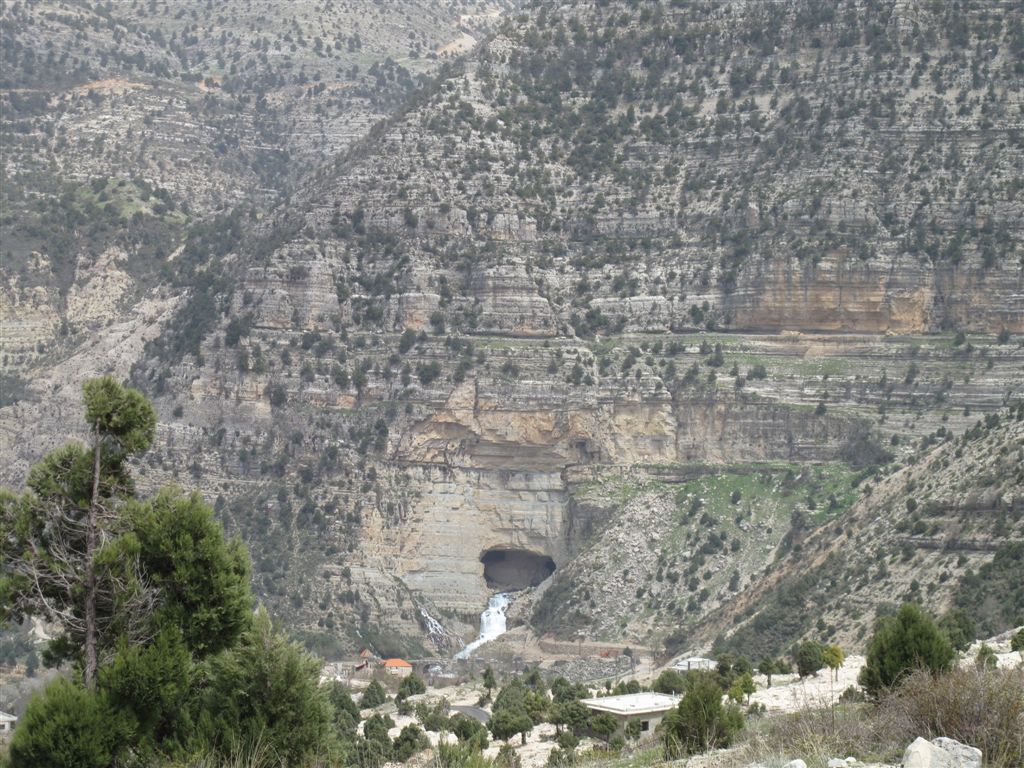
point(492, 624)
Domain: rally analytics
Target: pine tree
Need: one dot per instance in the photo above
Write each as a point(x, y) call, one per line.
point(902, 643)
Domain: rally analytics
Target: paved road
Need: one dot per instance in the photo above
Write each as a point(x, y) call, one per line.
point(475, 712)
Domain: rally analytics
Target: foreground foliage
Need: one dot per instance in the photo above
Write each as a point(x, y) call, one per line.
point(169, 662)
point(701, 721)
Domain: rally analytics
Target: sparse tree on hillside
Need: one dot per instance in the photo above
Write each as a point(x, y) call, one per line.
point(767, 668)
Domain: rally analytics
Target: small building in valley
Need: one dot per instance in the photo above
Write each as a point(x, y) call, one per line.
point(7, 723)
point(647, 709)
point(397, 667)
point(692, 663)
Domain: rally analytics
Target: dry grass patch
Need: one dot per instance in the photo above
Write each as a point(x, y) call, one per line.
point(983, 708)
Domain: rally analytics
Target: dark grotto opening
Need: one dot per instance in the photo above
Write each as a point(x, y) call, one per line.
point(510, 569)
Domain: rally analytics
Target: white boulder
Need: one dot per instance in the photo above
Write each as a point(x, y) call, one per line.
point(941, 753)
point(965, 755)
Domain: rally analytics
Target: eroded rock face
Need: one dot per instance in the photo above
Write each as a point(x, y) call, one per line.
point(462, 513)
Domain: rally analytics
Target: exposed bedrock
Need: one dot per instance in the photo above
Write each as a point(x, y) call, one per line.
point(492, 508)
point(461, 513)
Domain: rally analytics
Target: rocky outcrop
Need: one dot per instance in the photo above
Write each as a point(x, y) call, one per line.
point(941, 753)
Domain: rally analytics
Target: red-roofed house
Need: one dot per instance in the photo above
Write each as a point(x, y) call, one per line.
point(397, 667)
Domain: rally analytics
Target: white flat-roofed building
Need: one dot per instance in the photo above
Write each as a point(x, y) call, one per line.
point(7, 723)
point(648, 709)
point(691, 663)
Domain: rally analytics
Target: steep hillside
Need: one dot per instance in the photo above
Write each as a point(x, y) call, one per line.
point(945, 530)
point(752, 247)
point(128, 126)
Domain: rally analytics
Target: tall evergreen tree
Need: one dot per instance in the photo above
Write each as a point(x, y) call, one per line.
point(54, 563)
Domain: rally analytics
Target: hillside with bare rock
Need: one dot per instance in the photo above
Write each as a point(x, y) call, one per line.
point(677, 319)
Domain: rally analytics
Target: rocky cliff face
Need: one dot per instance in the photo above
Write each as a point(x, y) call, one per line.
point(615, 239)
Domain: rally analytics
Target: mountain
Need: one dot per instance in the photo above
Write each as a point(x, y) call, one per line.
point(128, 126)
point(632, 290)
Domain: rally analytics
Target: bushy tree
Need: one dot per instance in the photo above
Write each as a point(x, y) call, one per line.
point(265, 688)
point(468, 730)
point(959, 628)
point(902, 643)
point(833, 657)
point(345, 710)
point(604, 726)
point(490, 683)
point(809, 658)
point(701, 721)
point(155, 587)
point(151, 685)
point(670, 681)
point(986, 657)
point(563, 691)
point(569, 714)
point(376, 728)
point(371, 753)
point(411, 685)
point(374, 695)
point(68, 726)
point(506, 723)
point(1017, 643)
point(742, 688)
point(55, 562)
point(511, 696)
point(201, 579)
point(411, 740)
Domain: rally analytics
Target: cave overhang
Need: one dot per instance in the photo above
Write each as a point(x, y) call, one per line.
point(511, 568)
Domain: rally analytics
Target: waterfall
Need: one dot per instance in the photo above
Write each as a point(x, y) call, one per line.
point(492, 624)
point(439, 635)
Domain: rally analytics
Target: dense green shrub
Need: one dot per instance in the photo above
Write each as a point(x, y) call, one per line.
point(410, 686)
point(809, 658)
point(265, 688)
point(901, 644)
point(958, 628)
point(374, 695)
point(701, 721)
point(66, 726)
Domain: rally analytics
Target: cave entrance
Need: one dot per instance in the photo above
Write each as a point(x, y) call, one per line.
point(510, 569)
